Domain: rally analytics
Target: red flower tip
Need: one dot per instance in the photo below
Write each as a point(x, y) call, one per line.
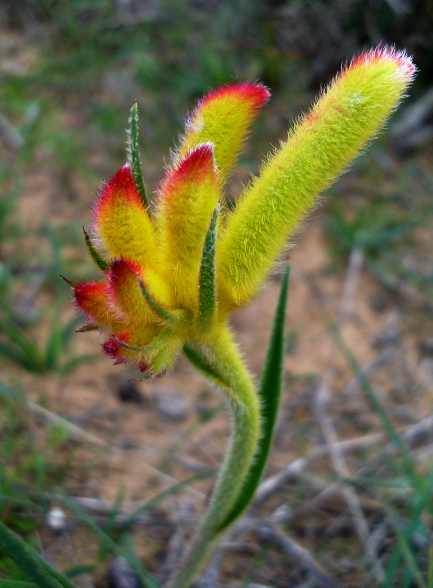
point(197, 162)
point(120, 185)
point(86, 294)
point(120, 269)
point(254, 93)
point(111, 348)
point(195, 166)
point(383, 54)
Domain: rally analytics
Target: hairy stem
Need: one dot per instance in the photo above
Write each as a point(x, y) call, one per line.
point(219, 360)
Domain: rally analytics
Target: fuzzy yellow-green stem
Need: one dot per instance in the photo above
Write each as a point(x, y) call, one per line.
point(219, 360)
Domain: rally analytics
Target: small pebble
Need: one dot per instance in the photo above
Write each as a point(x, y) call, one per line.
point(281, 515)
point(171, 405)
point(121, 574)
point(129, 392)
point(55, 519)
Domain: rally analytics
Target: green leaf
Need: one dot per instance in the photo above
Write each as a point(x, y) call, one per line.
point(75, 361)
point(25, 351)
point(54, 345)
point(100, 261)
point(134, 156)
point(32, 364)
point(207, 281)
point(69, 329)
point(203, 365)
point(79, 570)
point(269, 394)
point(169, 316)
point(30, 562)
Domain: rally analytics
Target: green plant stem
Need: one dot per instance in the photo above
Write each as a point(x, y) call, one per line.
point(219, 360)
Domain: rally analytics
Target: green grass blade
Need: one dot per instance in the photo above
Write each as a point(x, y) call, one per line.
point(407, 554)
point(134, 156)
point(16, 584)
point(97, 258)
point(377, 406)
point(422, 501)
point(165, 494)
point(29, 561)
point(25, 351)
point(109, 543)
point(75, 361)
point(269, 393)
point(31, 364)
point(207, 281)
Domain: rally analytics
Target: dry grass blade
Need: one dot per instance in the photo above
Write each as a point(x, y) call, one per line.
point(299, 553)
point(340, 467)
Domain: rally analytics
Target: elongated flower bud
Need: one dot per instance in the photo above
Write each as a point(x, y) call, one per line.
point(318, 149)
point(186, 201)
point(223, 118)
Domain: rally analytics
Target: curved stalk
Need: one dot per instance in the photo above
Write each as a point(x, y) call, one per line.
point(219, 360)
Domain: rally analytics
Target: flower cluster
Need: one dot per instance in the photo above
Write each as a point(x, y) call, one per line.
point(174, 271)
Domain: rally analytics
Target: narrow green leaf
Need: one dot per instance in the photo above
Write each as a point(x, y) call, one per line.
point(79, 570)
point(207, 281)
point(269, 394)
point(69, 329)
point(86, 328)
point(110, 544)
point(72, 283)
point(100, 261)
point(32, 364)
point(171, 491)
point(407, 554)
point(26, 345)
point(201, 363)
point(134, 156)
point(30, 562)
point(169, 316)
point(74, 362)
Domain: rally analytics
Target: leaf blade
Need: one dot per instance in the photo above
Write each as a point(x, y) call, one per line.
point(30, 562)
point(269, 394)
point(134, 156)
point(207, 279)
point(97, 258)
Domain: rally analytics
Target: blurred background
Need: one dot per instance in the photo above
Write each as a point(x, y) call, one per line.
point(101, 473)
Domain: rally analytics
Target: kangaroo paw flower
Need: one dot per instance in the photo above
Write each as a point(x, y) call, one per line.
point(171, 279)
